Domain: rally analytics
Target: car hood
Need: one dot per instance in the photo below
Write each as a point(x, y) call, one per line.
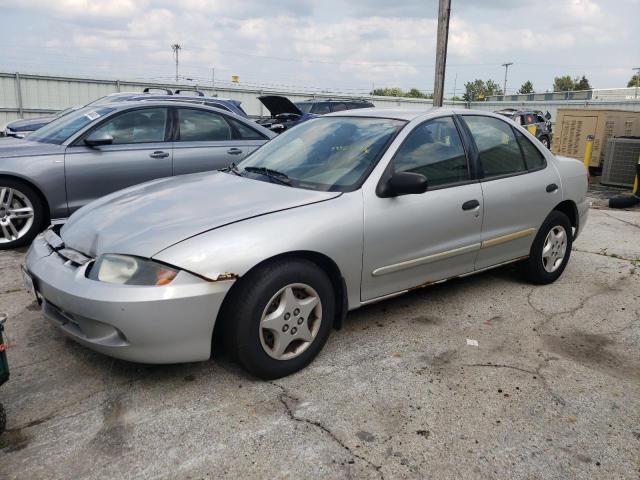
point(277, 104)
point(145, 219)
point(18, 147)
point(29, 123)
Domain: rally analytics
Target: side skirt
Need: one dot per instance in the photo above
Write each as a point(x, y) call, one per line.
point(429, 284)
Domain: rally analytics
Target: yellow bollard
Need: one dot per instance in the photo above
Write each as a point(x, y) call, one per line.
point(588, 149)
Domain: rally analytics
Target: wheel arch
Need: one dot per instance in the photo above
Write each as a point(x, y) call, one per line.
point(321, 260)
point(570, 209)
point(35, 188)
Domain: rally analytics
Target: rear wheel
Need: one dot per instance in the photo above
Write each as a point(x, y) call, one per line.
point(551, 249)
point(545, 141)
point(21, 214)
point(280, 317)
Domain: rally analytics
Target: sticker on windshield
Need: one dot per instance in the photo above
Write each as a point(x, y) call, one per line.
point(92, 115)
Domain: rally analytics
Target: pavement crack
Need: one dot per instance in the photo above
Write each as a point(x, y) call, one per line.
point(621, 220)
point(285, 397)
point(610, 255)
point(500, 365)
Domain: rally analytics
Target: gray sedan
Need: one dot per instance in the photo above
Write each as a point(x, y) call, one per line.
point(99, 149)
point(342, 211)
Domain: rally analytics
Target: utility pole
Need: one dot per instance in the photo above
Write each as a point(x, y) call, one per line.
point(213, 78)
point(444, 11)
point(176, 48)
point(637, 78)
point(506, 69)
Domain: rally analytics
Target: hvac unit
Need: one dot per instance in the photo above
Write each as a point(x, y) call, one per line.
point(621, 158)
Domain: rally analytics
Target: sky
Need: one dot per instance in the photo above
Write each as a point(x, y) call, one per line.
point(342, 46)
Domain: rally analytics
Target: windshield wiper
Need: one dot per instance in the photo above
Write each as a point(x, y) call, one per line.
point(233, 168)
point(280, 177)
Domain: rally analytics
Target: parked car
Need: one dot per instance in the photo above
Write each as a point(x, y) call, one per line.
point(285, 114)
point(233, 106)
point(102, 148)
point(342, 211)
point(534, 121)
point(23, 127)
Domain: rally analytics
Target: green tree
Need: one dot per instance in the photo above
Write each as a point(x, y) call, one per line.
point(563, 84)
point(398, 92)
point(582, 84)
point(527, 87)
point(634, 82)
point(479, 89)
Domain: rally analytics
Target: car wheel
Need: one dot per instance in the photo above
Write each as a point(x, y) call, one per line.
point(545, 142)
point(280, 318)
point(21, 214)
point(551, 249)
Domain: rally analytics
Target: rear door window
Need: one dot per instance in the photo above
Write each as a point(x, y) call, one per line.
point(533, 158)
point(200, 126)
point(497, 146)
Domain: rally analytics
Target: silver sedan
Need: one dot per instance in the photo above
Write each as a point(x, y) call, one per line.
point(271, 254)
point(99, 149)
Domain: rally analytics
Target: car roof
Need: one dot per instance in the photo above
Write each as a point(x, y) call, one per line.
point(410, 114)
point(127, 104)
point(397, 113)
point(335, 100)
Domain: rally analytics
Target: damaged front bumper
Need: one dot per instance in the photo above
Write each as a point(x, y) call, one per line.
point(149, 324)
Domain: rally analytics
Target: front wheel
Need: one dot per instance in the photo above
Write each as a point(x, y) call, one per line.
point(280, 317)
point(551, 249)
point(21, 214)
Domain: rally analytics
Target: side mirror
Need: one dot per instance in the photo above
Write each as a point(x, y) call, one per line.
point(403, 183)
point(278, 128)
point(97, 139)
point(547, 115)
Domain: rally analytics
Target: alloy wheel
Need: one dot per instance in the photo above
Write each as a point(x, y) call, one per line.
point(554, 248)
point(16, 214)
point(291, 321)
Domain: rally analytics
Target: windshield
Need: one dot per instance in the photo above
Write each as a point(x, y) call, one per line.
point(333, 154)
point(304, 107)
point(63, 127)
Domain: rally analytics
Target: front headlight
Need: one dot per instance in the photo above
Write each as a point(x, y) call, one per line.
point(123, 269)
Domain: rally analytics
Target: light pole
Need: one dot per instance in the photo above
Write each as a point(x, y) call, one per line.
point(506, 69)
point(176, 48)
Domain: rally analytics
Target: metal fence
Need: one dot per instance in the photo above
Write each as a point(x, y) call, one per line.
point(26, 95)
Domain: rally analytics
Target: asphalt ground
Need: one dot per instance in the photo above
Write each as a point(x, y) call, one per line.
point(552, 389)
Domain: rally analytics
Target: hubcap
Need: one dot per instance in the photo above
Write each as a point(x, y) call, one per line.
point(16, 214)
point(291, 321)
point(554, 249)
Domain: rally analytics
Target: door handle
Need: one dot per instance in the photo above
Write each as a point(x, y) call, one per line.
point(552, 187)
point(470, 204)
point(159, 154)
point(234, 151)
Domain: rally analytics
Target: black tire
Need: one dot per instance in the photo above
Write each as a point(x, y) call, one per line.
point(3, 419)
point(38, 214)
point(243, 313)
point(545, 141)
point(534, 267)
